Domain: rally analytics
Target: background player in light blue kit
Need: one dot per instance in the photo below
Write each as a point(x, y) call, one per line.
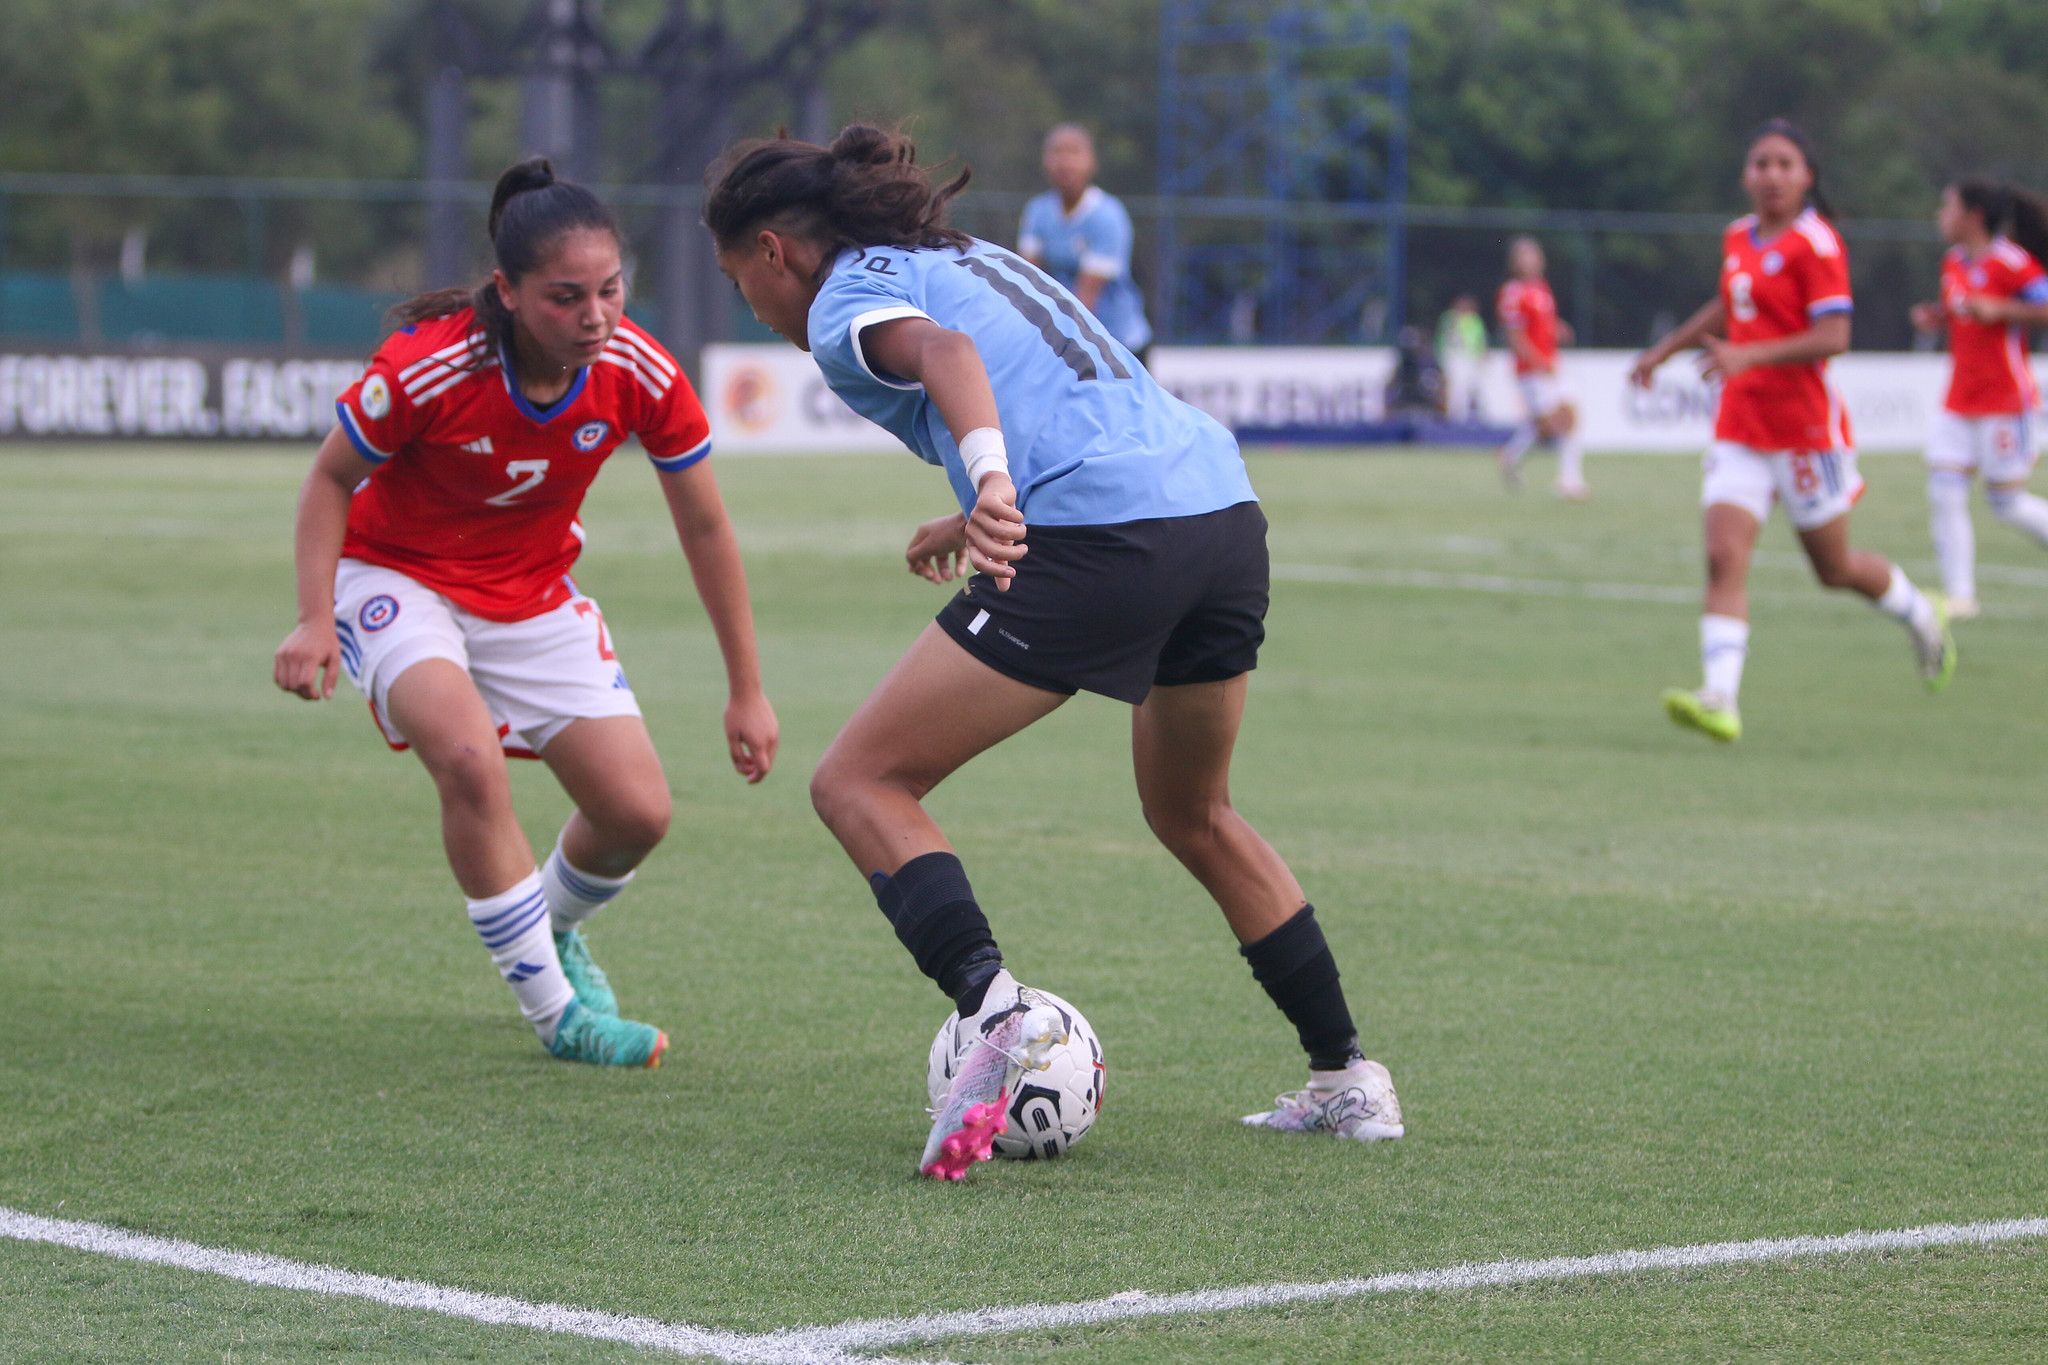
point(1081, 235)
point(1145, 579)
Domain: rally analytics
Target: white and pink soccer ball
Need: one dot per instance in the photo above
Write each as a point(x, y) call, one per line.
point(1050, 1109)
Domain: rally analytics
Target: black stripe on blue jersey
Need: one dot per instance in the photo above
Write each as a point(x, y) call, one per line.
point(1045, 285)
point(1064, 346)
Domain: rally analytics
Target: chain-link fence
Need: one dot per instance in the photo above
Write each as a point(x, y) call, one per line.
point(308, 267)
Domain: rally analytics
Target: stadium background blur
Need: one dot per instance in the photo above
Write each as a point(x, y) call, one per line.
point(271, 172)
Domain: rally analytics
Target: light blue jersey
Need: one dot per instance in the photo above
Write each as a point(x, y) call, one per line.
point(1092, 440)
point(1095, 239)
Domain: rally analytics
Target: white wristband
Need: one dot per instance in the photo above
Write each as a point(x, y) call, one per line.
point(982, 451)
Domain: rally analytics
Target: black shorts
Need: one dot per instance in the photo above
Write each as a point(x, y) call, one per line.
point(1119, 609)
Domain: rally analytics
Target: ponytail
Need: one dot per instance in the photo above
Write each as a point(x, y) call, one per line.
point(865, 190)
point(2007, 210)
point(531, 212)
point(1794, 134)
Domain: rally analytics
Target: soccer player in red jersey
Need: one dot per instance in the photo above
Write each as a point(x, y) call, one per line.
point(1781, 434)
point(436, 532)
point(1992, 289)
point(1528, 318)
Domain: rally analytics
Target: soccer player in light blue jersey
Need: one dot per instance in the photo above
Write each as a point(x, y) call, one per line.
point(1081, 235)
point(1117, 548)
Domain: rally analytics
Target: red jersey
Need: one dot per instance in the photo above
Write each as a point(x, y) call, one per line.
point(476, 492)
point(1778, 289)
point(1528, 307)
point(1990, 374)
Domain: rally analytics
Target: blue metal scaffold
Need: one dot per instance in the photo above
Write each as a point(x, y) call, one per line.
point(1286, 124)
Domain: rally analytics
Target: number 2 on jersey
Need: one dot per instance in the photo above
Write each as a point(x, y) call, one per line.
point(534, 470)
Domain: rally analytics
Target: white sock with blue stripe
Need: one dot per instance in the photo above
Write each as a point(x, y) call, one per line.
point(573, 894)
point(514, 926)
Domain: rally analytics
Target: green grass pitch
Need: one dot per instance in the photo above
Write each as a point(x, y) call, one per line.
point(1636, 990)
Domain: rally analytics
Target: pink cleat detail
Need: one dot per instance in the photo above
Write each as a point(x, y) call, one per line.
point(973, 1141)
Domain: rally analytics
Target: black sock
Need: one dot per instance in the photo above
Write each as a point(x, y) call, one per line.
point(933, 911)
point(1295, 966)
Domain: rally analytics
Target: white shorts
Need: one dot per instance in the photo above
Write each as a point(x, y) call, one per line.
point(535, 675)
point(1816, 486)
point(2000, 447)
point(1541, 393)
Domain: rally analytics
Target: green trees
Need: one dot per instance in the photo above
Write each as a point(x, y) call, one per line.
point(1611, 104)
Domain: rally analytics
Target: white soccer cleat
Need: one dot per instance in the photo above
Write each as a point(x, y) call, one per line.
point(1357, 1102)
point(1013, 1032)
point(1964, 609)
point(1577, 491)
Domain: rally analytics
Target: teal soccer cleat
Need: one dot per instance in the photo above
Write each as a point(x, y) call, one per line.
point(585, 976)
point(584, 1035)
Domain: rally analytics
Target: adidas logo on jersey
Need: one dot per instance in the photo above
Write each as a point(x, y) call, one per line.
point(480, 446)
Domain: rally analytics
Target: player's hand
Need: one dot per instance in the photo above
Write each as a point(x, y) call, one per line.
point(752, 735)
point(938, 549)
point(1926, 317)
point(1723, 359)
point(995, 533)
point(308, 663)
point(1987, 307)
point(1644, 371)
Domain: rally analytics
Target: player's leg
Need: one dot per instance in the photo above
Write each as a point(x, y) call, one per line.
point(1729, 534)
point(2006, 467)
point(1838, 565)
point(1952, 457)
point(1955, 539)
point(1571, 453)
point(937, 708)
point(1181, 743)
point(437, 708)
point(608, 766)
point(1510, 456)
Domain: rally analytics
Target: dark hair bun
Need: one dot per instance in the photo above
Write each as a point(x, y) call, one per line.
point(536, 173)
point(864, 145)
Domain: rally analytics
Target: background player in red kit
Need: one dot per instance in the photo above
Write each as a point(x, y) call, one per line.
point(1992, 290)
point(435, 537)
point(1781, 433)
point(1528, 319)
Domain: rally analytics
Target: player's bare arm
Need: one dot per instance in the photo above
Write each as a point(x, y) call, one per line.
point(1826, 339)
point(1710, 320)
point(2006, 308)
point(950, 368)
point(308, 663)
point(752, 733)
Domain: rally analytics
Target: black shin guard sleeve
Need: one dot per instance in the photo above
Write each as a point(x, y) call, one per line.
point(1295, 965)
point(933, 910)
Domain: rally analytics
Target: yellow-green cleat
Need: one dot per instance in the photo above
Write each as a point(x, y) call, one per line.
point(1704, 713)
point(1936, 650)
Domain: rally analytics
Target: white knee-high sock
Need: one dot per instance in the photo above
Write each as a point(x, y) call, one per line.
point(1518, 444)
point(1571, 459)
point(1955, 539)
point(573, 894)
point(1724, 648)
point(514, 927)
point(2018, 507)
point(1906, 604)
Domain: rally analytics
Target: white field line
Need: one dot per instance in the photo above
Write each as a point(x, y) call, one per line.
point(1491, 1274)
point(276, 1272)
point(833, 1345)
